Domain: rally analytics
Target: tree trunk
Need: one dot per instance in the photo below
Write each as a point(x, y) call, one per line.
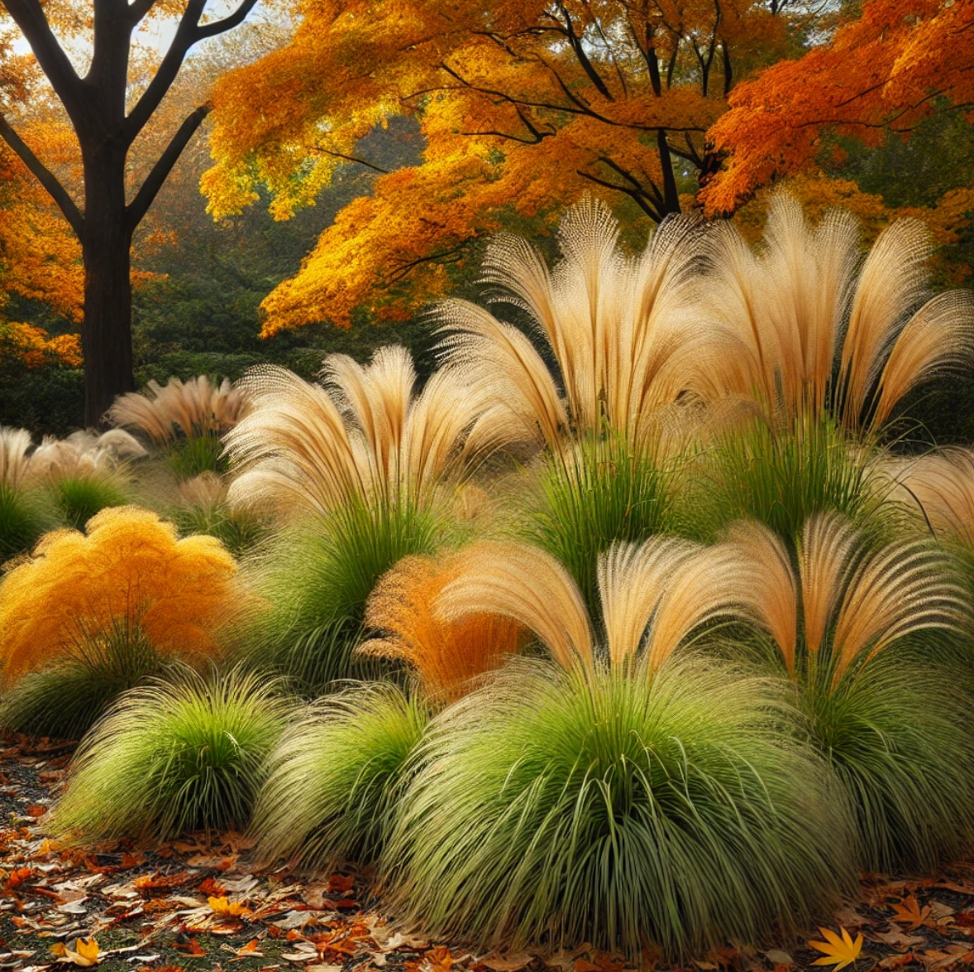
point(106, 335)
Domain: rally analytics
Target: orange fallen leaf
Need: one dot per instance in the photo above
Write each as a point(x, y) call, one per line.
point(83, 952)
point(836, 951)
point(223, 906)
point(908, 912)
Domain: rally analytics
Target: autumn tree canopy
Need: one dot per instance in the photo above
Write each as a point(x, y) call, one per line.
point(524, 105)
point(882, 73)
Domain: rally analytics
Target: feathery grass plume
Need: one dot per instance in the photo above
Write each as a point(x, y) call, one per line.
point(317, 578)
point(941, 485)
point(624, 333)
point(173, 756)
point(204, 509)
point(594, 494)
point(825, 331)
point(782, 476)
point(336, 777)
point(882, 704)
point(193, 409)
point(621, 809)
point(367, 435)
point(446, 655)
point(22, 518)
point(87, 606)
point(653, 597)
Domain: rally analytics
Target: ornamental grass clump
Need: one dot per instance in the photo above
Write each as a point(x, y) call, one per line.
point(358, 467)
point(782, 476)
point(174, 756)
point(596, 493)
point(186, 419)
point(105, 608)
point(858, 630)
point(631, 793)
point(335, 780)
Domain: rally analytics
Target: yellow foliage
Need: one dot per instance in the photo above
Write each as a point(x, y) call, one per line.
point(129, 568)
point(447, 653)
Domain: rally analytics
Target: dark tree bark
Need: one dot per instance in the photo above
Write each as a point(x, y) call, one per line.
point(95, 105)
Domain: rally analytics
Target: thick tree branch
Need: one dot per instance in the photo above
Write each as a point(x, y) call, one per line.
point(227, 23)
point(43, 175)
point(29, 17)
point(638, 197)
point(139, 206)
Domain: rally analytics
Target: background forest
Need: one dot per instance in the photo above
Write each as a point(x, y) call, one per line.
point(218, 278)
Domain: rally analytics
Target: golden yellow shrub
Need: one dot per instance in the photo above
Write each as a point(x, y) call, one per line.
point(446, 654)
point(130, 568)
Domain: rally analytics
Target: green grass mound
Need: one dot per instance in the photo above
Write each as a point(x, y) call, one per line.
point(22, 522)
point(901, 739)
point(335, 780)
point(317, 580)
point(78, 500)
point(620, 809)
point(67, 698)
point(173, 757)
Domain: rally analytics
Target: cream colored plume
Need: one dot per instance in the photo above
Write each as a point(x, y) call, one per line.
point(193, 408)
point(824, 329)
point(626, 335)
point(14, 446)
point(82, 455)
point(942, 484)
point(366, 434)
point(855, 599)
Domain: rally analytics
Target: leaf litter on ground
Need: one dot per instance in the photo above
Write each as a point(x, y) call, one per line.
point(196, 904)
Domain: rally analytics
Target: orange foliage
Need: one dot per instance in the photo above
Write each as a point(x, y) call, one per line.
point(36, 348)
point(448, 655)
point(883, 71)
point(524, 107)
point(131, 569)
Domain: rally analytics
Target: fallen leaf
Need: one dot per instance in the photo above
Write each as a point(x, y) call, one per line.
point(779, 958)
point(83, 952)
point(223, 906)
point(509, 963)
point(908, 912)
point(837, 951)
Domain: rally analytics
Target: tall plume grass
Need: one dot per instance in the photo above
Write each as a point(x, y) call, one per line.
point(625, 334)
point(191, 409)
point(366, 435)
point(860, 630)
point(446, 655)
point(822, 329)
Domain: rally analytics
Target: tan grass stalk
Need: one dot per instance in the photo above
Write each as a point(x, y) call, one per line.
point(525, 584)
point(14, 461)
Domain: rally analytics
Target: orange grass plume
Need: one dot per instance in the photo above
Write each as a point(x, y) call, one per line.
point(129, 567)
point(447, 654)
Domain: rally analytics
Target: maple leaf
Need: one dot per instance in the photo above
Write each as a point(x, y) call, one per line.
point(908, 912)
point(837, 951)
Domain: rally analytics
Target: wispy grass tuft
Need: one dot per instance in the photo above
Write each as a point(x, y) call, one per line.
point(617, 808)
point(79, 499)
point(600, 492)
point(336, 778)
point(317, 580)
point(22, 521)
point(67, 698)
point(173, 757)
